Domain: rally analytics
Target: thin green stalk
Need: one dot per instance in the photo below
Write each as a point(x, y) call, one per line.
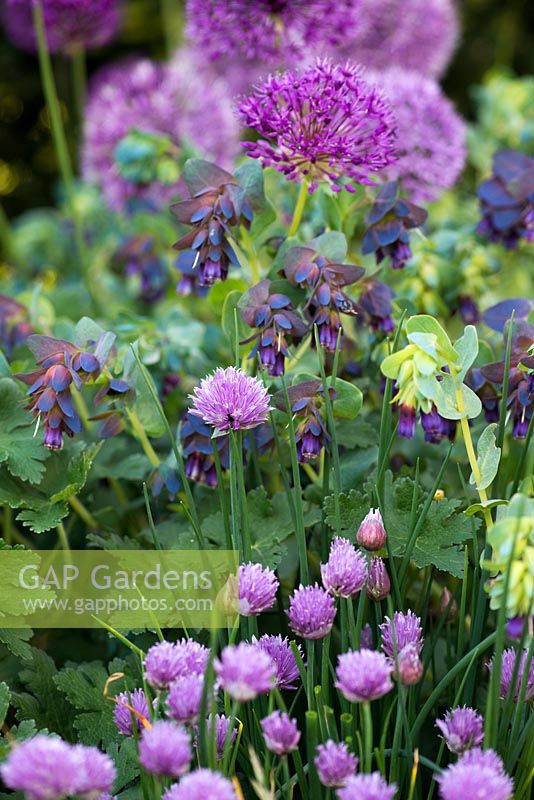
point(222, 494)
point(311, 743)
point(299, 209)
point(234, 499)
point(63, 538)
point(79, 83)
point(82, 512)
point(297, 494)
point(368, 736)
point(245, 532)
point(325, 665)
point(150, 518)
point(310, 672)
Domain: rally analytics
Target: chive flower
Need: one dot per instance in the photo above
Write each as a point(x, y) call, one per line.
point(122, 715)
point(201, 785)
point(345, 572)
point(462, 728)
point(244, 671)
point(283, 658)
point(257, 589)
point(280, 732)
point(229, 399)
point(165, 749)
point(334, 763)
point(367, 787)
point(311, 612)
point(475, 769)
point(363, 675)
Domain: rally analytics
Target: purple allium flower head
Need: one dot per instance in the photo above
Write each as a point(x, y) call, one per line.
point(407, 630)
point(140, 95)
point(372, 534)
point(478, 773)
point(96, 773)
point(165, 749)
point(409, 667)
point(272, 314)
point(334, 763)
point(202, 784)
point(507, 200)
point(281, 733)
point(363, 675)
point(44, 768)
point(184, 697)
point(245, 671)
point(122, 714)
point(70, 25)
point(431, 150)
point(270, 31)
point(345, 572)
point(384, 35)
point(222, 724)
point(367, 787)
point(509, 658)
point(229, 399)
point(378, 582)
point(462, 728)
point(257, 589)
point(279, 650)
point(162, 664)
point(322, 124)
point(311, 612)
point(197, 446)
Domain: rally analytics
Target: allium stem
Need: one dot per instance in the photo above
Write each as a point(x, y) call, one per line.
point(368, 736)
point(56, 124)
point(79, 83)
point(299, 208)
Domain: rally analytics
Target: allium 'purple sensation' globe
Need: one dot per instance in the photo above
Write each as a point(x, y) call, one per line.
point(69, 24)
point(203, 784)
point(311, 612)
point(413, 34)
point(271, 31)
point(245, 671)
point(165, 749)
point(367, 787)
point(363, 675)
point(257, 589)
point(475, 772)
point(141, 95)
point(334, 763)
point(508, 662)
point(122, 714)
point(371, 534)
point(431, 136)
point(281, 733)
point(279, 650)
point(462, 728)
point(407, 631)
point(345, 572)
point(96, 773)
point(324, 123)
point(185, 697)
point(229, 399)
point(44, 768)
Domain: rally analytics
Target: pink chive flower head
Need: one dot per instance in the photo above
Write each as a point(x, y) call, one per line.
point(244, 671)
point(123, 716)
point(334, 763)
point(281, 733)
point(474, 769)
point(384, 35)
point(96, 773)
point(363, 675)
point(367, 787)
point(311, 612)
point(257, 589)
point(268, 31)
point(231, 400)
point(345, 572)
point(44, 768)
point(378, 581)
point(222, 724)
point(279, 650)
point(372, 533)
point(508, 664)
point(323, 124)
point(406, 629)
point(431, 135)
point(165, 749)
point(164, 661)
point(409, 668)
point(201, 785)
point(69, 24)
point(462, 728)
point(185, 697)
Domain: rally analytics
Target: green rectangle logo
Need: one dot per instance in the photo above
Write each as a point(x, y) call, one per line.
point(120, 588)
